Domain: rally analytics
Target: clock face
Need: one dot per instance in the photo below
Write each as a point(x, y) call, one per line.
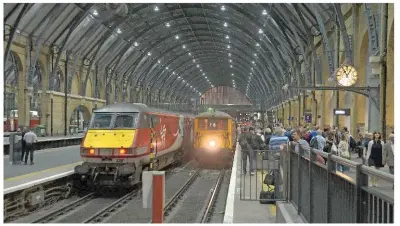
point(346, 75)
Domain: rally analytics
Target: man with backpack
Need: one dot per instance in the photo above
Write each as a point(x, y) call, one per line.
point(249, 141)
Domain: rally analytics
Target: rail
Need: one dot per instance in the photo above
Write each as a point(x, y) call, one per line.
point(213, 197)
point(323, 195)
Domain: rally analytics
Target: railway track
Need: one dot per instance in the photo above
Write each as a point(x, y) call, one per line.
point(212, 199)
point(99, 216)
point(173, 210)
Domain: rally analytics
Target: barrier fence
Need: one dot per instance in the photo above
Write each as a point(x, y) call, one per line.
point(319, 192)
point(322, 194)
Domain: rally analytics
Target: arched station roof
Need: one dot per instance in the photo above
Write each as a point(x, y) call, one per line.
point(181, 49)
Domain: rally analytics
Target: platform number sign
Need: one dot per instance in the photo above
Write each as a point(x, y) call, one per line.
point(308, 117)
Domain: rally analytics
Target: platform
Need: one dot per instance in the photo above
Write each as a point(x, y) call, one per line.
point(246, 210)
point(49, 164)
point(6, 140)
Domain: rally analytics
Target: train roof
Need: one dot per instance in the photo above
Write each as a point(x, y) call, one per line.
point(136, 107)
point(217, 114)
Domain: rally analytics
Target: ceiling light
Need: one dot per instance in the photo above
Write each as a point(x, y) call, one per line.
point(232, 74)
point(206, 77)
point(148, 54)
point(257, 44)
point(189, 54)
point(252, 68)
point(227, 37)
point(159, 61)
point(231, 65)
point(173, 72)
point(260, 31)
point(177, 37)
point(201, 69)
point(119, 31)
point(179, 77)
point(230, 61)
point(167, 68)
point(194, 61)
point(95, 13)
point(204, 74)
point(156, 8)
point(223, 8)
point(264, 12)
point(253, 62)
point(168, 25)
point(229, 54)
point(135, 44)
point(225, 24)
point(197, 65)
point(255, 54)
point(229, 46)
point(184, 46)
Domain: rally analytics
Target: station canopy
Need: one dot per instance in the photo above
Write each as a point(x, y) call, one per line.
point(181, 48)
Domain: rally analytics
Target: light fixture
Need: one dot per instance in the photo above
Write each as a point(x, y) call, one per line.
point(197, 65)
point(119, 31)
point(253, 62)
point(229, 46)
point(260, 31)
point(194, 61)
point(229, 54)
point(173, 72)
point(179, 77)
point(204, 74)
point(231, 66)
point(148, 54)
point(177, 37)
point(184, 46)
point(156, 8)
point(167, 68)
point(135, 44)
point(201, 69)
point(168, 25)
point(223, 8)
point(225, 24)
point(189, 54)
point(264, 12)
point(255, 54)
point(230, 61)
point(232, 74)
point(227, 37)
point(95, 13)
point(159, 61)
point(257, 44)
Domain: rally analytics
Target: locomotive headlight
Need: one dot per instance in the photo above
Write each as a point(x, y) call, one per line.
point(212, 143)
point(91, 151)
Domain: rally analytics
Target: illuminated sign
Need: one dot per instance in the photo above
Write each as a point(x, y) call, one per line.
point(345, 112)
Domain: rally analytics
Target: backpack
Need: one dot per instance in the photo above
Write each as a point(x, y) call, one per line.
point(243, 143)
point(352, 142)
point(314, 143)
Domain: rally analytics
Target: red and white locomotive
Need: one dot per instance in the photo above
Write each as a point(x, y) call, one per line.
point(124, 139)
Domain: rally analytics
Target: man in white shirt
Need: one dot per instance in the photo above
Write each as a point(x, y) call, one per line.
point(30, 138)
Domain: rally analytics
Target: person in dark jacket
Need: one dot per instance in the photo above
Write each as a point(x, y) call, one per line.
point(23, 144)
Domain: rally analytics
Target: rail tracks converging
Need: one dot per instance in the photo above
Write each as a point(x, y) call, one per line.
point(212, 199)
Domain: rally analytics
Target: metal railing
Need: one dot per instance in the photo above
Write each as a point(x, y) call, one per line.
point(321, 194)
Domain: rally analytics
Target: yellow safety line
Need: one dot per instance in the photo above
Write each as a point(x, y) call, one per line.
point(261, 175)
point(42, 171)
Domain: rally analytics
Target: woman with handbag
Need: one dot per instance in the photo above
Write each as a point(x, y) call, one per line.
point(343, 151)
point(375, 155)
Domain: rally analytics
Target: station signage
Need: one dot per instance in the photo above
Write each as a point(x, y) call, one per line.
point(308, 117)
point(344, 111)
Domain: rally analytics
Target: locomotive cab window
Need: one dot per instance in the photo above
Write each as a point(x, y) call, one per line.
point(101, 121)
point(213, 124)
point(126, 120)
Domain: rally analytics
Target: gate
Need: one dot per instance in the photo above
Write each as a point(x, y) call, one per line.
point(268, 183)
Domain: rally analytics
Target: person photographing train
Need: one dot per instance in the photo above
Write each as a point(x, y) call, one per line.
point(249, 143)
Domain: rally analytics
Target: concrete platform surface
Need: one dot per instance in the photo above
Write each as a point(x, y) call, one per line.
point(48, 160)
point(246, 209)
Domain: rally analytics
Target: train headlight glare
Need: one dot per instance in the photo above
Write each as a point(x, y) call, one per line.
point(122, 151)
point(212, 143)
point(91, 151)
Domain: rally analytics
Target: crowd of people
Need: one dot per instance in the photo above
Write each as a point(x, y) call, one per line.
point(369, 147)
